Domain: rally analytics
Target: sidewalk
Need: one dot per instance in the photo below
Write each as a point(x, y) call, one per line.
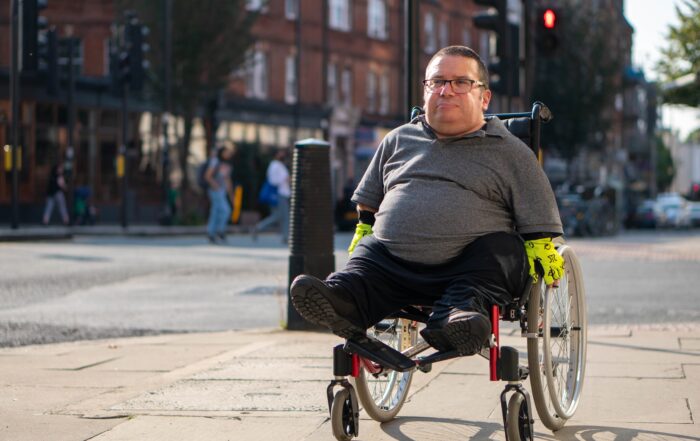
point(642, 383)
point(40, 232)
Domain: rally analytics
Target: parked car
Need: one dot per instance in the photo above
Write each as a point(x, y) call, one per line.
point(670, 211)
point(644, 215)
point(572, 209)
point(693, 212)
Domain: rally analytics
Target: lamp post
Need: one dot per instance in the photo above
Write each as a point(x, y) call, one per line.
point(14, 98)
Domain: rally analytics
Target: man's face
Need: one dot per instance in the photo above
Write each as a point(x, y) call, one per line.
point(448, 113)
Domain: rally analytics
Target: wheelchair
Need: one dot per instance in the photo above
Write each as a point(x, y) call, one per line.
point(375, 371)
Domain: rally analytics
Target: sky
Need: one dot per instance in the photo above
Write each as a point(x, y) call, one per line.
point(650, 19)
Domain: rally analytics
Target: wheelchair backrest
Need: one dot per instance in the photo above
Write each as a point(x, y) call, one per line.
point(526, 126)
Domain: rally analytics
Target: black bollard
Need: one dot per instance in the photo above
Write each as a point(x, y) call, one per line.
point(311, 219)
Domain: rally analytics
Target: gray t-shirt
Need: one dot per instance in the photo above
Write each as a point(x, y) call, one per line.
point(435, 196)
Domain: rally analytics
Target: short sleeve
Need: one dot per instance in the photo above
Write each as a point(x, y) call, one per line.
point(370, 190)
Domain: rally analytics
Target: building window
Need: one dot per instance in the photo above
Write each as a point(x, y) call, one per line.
point(290, 80)
point(376, 19)
point(429, 30)
point(64, 55)
point(346, 86)
point(332, 84)
point(371, 92)
point(256, 5)
point(384, 94)
point(107, 55)
point(444, 34)
point(256, 80)
point(291, 8)
point(339, 15)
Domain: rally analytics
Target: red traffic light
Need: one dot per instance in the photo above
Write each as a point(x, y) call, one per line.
point(550, 19)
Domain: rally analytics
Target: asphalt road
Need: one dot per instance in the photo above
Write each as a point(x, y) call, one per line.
point(104, 287)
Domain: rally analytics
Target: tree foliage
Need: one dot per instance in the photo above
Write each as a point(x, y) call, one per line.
point(665, 167)
point(580, 81)
point(681, 56)
point(209, 39)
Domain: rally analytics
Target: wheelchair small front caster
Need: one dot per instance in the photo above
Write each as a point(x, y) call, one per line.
point(345, 414)
point(518, 419)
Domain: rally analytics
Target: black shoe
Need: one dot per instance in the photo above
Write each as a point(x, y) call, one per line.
point(465, 331)
point(212, 239)
point(222, 237)
point(325, 306)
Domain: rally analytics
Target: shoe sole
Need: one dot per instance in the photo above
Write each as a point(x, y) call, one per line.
point(437, 339)
point(314, 307)
point(466, 335)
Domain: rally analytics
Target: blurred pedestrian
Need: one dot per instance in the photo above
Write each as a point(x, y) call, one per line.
point(56, 195)
point(278, 176)
point(218, 177)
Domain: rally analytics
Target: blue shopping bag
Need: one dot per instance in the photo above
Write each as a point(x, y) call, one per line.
point(268, 194)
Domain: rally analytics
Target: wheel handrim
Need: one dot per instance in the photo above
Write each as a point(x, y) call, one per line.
point(564, 343)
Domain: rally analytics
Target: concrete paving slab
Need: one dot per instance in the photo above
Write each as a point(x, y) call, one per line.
point(157, 428)
point(295, 369)
point(161, 357)
point(23, 426)
point(625, 431)
point(635, 370)
point(81, 379)
point(256, 395)
point(690, 344)
point(625, 400)
point(639, 351)
point(16, 398)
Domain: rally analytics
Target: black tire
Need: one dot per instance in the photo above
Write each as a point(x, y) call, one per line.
point(342, 418)
point(518, 424)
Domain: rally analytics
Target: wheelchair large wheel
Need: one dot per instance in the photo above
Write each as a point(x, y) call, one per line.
point(382, 395)
point(557, 356)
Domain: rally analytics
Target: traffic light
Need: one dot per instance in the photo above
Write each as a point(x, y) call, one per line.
point(548, 26)
point(137, 48)
point(127, 55)
point(31, 24)
point(48, 59)
point(505, 71)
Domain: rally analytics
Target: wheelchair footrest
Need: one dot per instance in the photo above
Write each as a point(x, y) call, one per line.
point(438, 356)
point(380, 353)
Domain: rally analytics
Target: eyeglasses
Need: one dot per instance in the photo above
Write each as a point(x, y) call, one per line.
point(459, 85)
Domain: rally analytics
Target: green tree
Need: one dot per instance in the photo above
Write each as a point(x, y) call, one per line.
point(210, 40)
point(665, 168)
point(579, 82)
point(681, 56)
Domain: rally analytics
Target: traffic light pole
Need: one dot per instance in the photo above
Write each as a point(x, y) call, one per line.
point(411, 58)
point(123, 168)
point(167, 50)
point(14, 92)
point(70, 150)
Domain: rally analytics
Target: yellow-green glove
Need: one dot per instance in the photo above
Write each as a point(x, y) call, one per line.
point(361, 231)
point(543, 251)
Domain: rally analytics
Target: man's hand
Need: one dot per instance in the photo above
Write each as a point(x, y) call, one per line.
point(361, 231)
point(543, 251)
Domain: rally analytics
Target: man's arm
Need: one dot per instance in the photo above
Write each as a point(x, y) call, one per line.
point(365, 222)
point(363, 207)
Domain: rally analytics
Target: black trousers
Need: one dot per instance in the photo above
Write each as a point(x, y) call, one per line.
point(491, 270)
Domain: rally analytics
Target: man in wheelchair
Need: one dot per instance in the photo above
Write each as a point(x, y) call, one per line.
point(454, 213)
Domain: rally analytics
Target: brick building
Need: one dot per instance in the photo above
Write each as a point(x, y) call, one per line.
point(349, 56)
